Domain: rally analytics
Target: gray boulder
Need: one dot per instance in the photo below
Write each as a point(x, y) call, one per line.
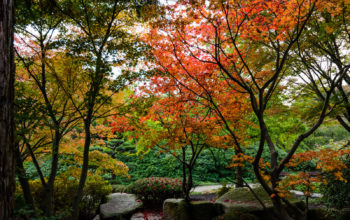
point(240, 203)
point(119, 206)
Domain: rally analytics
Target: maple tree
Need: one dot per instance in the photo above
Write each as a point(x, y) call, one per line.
point(249, 43)
point(183, 130)
point(165, 118)
point(101, 37)
point(33, 129)
point(33, 50)
point(53, 56)
point(200, 84)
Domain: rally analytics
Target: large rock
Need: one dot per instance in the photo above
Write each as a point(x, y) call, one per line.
point(202, 210)
point(240, 203)
point(175, 209)
point(178, 209)
point(119, 206)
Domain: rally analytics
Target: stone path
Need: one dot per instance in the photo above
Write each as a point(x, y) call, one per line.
point(210, 188)
point(202, 189)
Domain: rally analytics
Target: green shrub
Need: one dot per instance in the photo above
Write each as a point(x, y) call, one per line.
point(95, 191)
point(336, 193)
point(155, 190)
point(166, 165)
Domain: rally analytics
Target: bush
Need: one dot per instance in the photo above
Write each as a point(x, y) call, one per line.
point(95, 191)
point(336, 193)
point(155, 190)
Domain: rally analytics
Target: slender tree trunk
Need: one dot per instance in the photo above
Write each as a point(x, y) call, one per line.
point(189, 183)
point(343, 123)
point(84, 170)
point(280, 210)
point(7, 72)
point(49, 199)
point(36, 164)
point(239, 177)
point(23, 180)
point(184, 175)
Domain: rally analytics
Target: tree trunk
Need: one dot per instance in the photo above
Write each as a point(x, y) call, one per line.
point(343, 123)
point(84, 170)
point(280, 210)
point(184, 178)
point(239, 177)
point(23, 180)
point(7, 69)
point(189, 183)
point(49, 200)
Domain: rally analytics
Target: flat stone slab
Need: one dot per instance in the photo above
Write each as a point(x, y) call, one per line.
point(119, 206)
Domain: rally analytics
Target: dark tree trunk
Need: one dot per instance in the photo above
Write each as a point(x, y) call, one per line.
point(49, 200)
point(343, 123)
point(184, 176)
point(23, 180)
point(239, 177)
point(84, 170)
point(7, 69)
point(36, 164)
point(189, 183)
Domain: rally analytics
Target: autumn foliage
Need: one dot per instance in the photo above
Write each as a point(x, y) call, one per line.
point(96, 77)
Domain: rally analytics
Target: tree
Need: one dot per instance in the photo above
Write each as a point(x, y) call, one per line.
point(202, 83)
point(100, 39)
point(181, 129)
point(41, 66)
point(28, 118)
point(250, 42)
point(7, 73)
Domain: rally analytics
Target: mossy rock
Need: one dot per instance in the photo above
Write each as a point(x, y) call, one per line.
point(175, 209)
point(221, 191)
point(202, 210)
point(178, 209)
point(242, 200)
